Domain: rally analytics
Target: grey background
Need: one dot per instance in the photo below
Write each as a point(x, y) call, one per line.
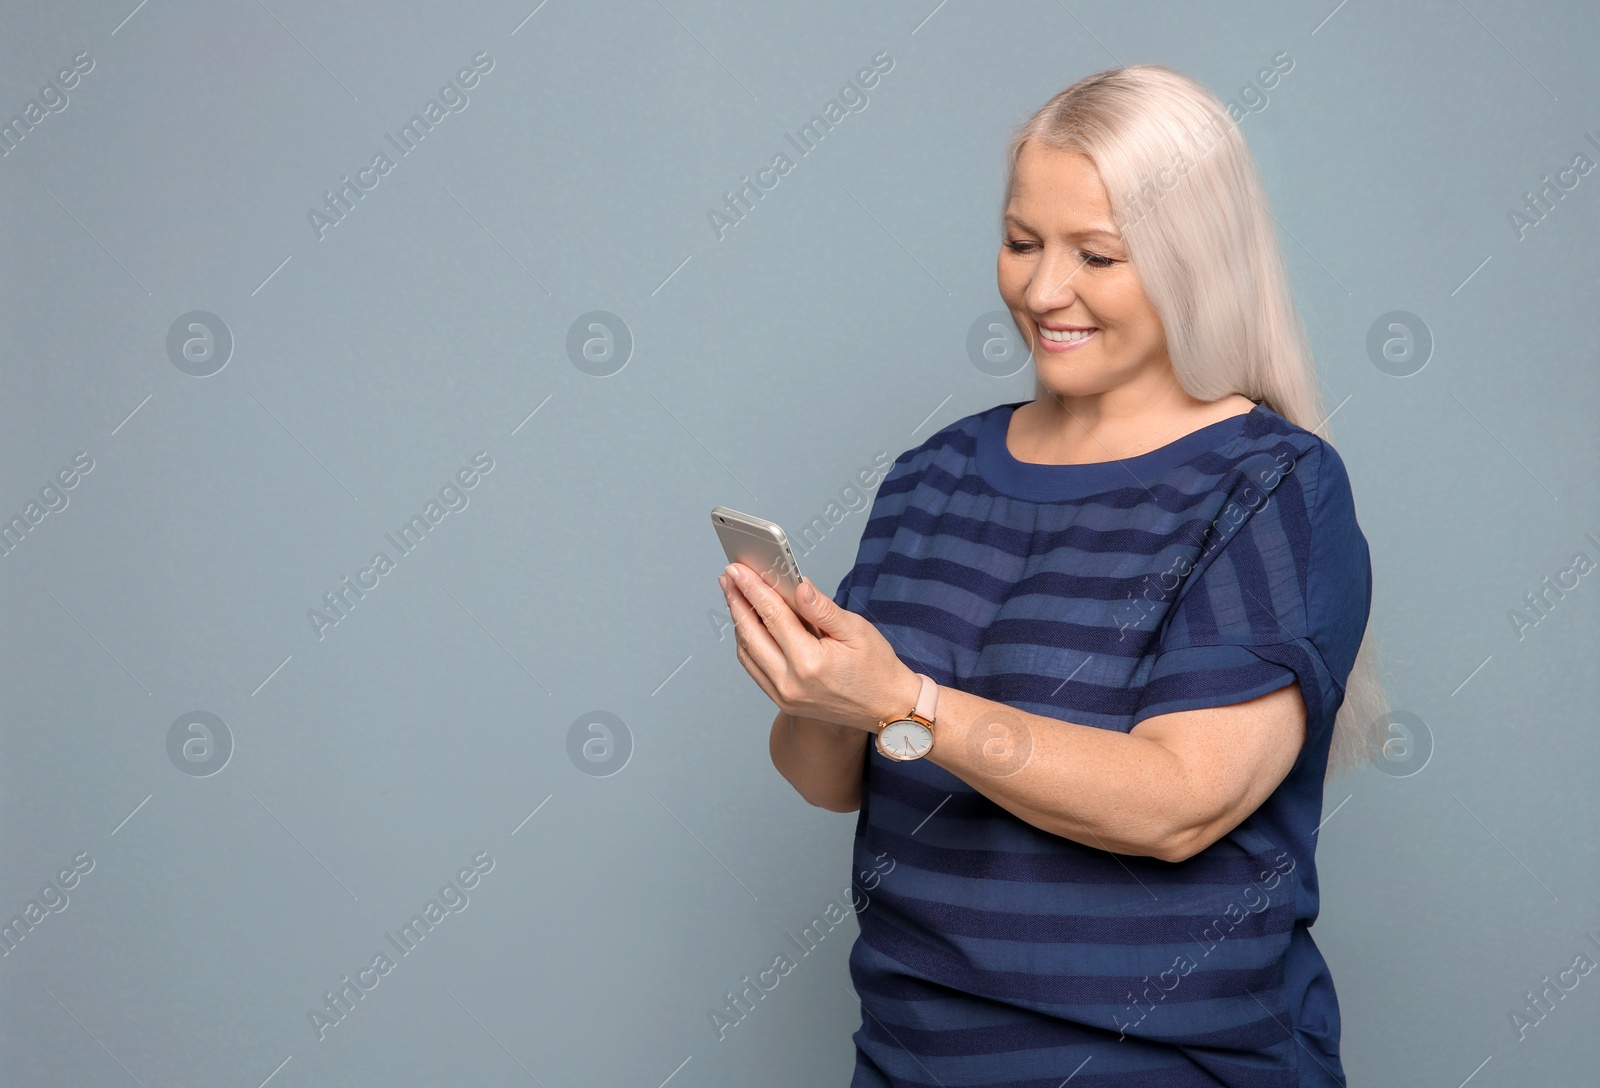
point(767, 368)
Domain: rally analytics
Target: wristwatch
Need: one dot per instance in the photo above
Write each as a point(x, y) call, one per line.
point(911, 736)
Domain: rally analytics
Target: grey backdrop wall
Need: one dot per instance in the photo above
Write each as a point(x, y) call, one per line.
point(257, 319)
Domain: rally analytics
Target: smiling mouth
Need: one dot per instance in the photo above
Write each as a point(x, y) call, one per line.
point(1066, 336)
point(1056, 341)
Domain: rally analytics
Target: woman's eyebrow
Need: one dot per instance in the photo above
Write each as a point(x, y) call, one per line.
point(1091, 232)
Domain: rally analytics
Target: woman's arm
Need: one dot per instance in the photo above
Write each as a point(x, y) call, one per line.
point(1167, 789)
point(1173, 785)
point(821, 760)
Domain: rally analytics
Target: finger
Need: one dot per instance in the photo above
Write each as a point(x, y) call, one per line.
point(745, 621)
point(822, 613)
point(775, 615)
point(759, 654)
point(752, 633)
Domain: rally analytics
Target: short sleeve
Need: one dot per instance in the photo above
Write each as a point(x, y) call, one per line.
point(1285, 599)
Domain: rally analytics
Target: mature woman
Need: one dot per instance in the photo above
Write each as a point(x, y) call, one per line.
point(1085, 677)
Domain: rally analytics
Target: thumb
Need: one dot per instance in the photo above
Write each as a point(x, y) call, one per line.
point(821, 610)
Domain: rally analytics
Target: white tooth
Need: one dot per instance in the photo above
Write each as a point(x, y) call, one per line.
point(1064, 336)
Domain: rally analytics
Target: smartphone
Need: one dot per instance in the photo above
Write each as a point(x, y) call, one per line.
point(762, 546)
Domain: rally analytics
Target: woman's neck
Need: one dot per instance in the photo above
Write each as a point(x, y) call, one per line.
point(1057, 430)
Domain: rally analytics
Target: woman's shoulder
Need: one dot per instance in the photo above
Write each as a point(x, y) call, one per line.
point(1267, 436)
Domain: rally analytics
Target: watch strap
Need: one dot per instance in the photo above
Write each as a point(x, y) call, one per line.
point(927, 698)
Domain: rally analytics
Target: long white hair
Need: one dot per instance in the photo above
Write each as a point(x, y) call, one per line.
point(1188, 200)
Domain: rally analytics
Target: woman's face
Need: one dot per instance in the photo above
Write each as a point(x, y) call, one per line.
point(1062, 265)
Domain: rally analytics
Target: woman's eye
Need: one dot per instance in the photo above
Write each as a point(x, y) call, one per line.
point(1019, 247)
point(1094, 260)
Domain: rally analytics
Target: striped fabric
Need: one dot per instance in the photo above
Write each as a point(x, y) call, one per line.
point(1215, 569)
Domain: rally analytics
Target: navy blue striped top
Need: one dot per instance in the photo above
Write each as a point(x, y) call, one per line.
point(1215, 569)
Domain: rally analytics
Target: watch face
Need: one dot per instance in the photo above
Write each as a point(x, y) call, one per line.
point(905, 739)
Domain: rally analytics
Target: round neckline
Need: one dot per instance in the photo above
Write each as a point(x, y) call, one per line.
point(1054, 483)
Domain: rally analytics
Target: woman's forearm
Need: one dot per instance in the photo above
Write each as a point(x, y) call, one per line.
point(1121, 792)
point(1099, 787)
point(821, 760)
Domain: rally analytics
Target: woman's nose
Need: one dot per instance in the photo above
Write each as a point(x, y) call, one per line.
point(1051, 286)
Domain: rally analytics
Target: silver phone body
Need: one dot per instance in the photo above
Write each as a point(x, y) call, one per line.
point(762, 546)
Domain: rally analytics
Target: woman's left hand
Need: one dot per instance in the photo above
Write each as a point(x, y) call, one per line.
point(850, 676)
